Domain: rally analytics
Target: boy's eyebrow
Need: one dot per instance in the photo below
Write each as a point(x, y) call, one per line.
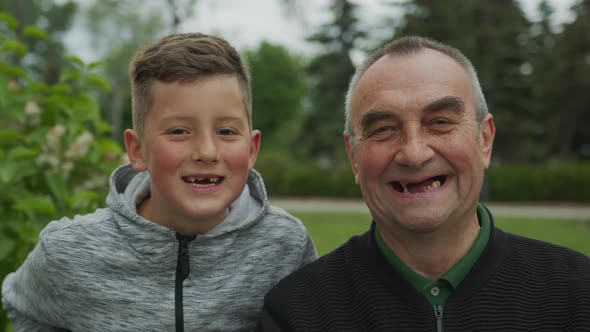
point(183, 117)
point(229, 118)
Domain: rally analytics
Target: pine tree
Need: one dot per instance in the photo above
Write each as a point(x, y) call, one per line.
point(330, 73)
point(568, 99)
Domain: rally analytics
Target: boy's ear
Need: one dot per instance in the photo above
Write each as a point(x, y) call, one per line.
point(254, 147)
point(133, 147)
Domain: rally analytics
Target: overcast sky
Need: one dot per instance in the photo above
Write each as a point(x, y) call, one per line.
point(245, 23)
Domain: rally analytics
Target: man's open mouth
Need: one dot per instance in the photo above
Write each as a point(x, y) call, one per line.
point(420, 187)
point(203, 182)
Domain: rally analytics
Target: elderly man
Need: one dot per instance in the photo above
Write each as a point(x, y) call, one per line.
point(419, 138)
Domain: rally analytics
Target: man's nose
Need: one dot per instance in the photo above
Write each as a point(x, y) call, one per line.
point(205, 149)
point(414, 150)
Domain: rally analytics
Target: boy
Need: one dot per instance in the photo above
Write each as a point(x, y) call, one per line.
point(189, 240)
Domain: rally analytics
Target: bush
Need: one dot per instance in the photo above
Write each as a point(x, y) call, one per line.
point(568, 182)
point(56, 152)
point(285, 176)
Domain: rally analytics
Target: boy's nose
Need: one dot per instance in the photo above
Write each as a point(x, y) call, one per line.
point(205, 150)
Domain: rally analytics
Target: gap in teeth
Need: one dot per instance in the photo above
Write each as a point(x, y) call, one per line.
point(434, 185)
point(193, 180)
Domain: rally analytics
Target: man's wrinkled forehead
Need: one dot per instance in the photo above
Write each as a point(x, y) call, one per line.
point(424, 66)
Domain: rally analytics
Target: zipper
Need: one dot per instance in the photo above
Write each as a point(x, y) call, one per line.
point(182, 271)
point(438, 313)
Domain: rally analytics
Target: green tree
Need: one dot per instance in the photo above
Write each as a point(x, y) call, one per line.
point(278, 87)
point(567, 98)
point(118, 29)
point(540, 47)
point(55, 153)
point(330, 73)
point(45, 57)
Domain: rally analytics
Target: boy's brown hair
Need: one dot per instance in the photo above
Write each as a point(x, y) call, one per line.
point(185, 58)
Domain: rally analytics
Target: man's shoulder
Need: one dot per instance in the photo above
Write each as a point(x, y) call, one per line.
point(548, 257)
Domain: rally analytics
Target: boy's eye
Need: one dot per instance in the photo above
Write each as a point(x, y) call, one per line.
point(226, 132)
point(177, 131)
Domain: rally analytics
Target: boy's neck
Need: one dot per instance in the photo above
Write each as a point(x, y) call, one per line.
point(182, 226)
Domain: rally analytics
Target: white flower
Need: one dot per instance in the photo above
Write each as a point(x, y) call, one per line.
point(32, 108)
point(54, 137)
point(67, 167)
point(13, 86)
point(79, 148)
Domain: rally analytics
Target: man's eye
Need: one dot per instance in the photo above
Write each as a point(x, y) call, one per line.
point(440, 122)
point(382, 131)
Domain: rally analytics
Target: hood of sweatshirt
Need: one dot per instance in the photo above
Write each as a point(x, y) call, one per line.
point(128, 188)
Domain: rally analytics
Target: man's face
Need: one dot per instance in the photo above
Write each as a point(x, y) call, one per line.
point(418, 155)
point(198, 149)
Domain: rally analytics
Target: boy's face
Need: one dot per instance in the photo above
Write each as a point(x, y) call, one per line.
point(198, 149)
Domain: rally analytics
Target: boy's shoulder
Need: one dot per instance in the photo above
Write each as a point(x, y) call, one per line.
point(97, 226)
point(94, 220)
point(279, 218)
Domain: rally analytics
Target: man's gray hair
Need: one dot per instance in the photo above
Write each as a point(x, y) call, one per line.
point(408, 46)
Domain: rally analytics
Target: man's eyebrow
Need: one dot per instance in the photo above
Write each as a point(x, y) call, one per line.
point(373, 116)
point(447, 102)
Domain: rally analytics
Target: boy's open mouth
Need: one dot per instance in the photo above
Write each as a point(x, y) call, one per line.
point(420, 187)
point(203, 182)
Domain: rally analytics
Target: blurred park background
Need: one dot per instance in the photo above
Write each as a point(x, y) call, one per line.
point(65, 99)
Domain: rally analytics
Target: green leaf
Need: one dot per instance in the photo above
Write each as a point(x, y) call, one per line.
point(10, 70)
point(82, 199)
point(33, 31)
point(62, 89)
point(96, 64)
point(7, 172)
point(70, 75)
point(22, 153)
point(9, 20)
point(108, 144)
point(8, 135)
point(6, 246)
point(15, 46)
point(36, 203)
point(57, 185)
point(96, 80)
point(76, 60)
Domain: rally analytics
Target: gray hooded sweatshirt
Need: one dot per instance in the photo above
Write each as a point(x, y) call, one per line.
point(113, 270)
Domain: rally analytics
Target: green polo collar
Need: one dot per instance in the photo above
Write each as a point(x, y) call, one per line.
point(437, 291)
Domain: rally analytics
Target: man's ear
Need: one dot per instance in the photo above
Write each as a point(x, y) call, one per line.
point(133, 147)
point(351, 152)
point(487, 134)
point(254, 147)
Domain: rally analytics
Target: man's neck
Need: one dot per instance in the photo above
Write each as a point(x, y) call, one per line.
point(432, 254)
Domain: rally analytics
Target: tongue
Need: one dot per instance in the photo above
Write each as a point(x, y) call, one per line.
point(419, 187)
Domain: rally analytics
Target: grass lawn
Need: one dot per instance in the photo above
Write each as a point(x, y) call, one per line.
point(331, 229)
